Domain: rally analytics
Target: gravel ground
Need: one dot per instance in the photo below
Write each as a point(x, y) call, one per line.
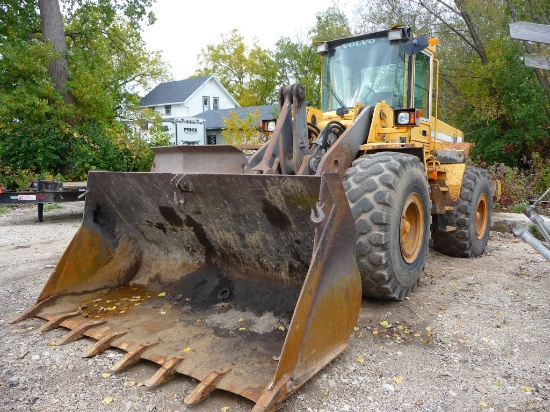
point(473, 337)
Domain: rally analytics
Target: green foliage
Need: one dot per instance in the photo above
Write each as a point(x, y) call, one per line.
point(520, 186)
point(535, 231)
point(41, 134)
point(19, 179)
point(248, 73)
point(51, 206)
point(505, 116)
point(241, 132)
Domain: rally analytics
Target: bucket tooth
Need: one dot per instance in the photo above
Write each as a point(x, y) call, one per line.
point(55, 320)
point(274, 394)
point(165, 372)
point(204, 388)
point(132, 356)
point(30, 312)
point(103, 344)
point(78, 332)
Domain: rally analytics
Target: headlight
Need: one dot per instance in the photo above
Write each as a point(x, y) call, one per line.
point(395, 35)
point(322, 48)
point(404, 118)
point(407, 117)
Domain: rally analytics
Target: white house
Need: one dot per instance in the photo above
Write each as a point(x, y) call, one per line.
point(180, 100)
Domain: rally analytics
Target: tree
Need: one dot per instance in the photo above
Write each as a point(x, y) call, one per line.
point(242, 131)
point(65, 109)
point(248, 73)
point(53, 31)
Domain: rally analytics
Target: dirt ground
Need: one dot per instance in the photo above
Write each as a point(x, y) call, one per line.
point(473, 337)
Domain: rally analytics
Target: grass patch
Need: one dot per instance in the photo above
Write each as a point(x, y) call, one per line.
point(50, 206)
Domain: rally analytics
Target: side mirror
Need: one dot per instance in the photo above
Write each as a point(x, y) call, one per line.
point(415, 45)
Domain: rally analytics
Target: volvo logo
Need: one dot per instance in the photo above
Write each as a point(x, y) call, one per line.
point(359, 43)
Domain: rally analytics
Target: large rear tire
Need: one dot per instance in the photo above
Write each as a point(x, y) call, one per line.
point(472, 217)
point(390, 203)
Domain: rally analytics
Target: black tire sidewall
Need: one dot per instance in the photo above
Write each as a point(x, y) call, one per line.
point(414, 181)
point(481, 187)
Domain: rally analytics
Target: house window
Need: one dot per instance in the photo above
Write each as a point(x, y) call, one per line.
point(215, 103)
point(205, 103)
point(168, 109)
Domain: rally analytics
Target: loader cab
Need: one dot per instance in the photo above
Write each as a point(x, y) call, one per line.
point(373, 67)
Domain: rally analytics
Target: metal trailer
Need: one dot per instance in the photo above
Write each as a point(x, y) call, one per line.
point(45, 191)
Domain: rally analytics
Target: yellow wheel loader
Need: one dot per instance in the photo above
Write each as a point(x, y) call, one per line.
point(246, 273)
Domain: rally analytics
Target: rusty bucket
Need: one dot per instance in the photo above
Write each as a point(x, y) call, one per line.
point(247, 283)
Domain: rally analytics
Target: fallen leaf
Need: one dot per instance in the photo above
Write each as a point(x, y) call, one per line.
point(186, 350)
point(497, 383)
point(224, 409)
point(375, 332)
point(30, 328)
point(161, 294)
point(242, 320)
point(384, 323)
point(527, 389)
point(483, 404)
point(275, 358)
point(162, 312)
point(107, 400)
point(356, 328)
point(398, 379)
point(105, 375)
point(282, 328)
point(360, 359)
point(419, 403)
point(242, 328)
point(129, 383)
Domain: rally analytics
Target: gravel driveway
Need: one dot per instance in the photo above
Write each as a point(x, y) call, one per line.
point(473, 337)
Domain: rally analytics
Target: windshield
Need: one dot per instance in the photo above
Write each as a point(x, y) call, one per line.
point(364, 71)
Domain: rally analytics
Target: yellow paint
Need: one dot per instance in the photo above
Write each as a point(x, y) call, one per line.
point(455, 174)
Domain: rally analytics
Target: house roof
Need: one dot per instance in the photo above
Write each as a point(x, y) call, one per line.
point(214, 118)
point(173, 92)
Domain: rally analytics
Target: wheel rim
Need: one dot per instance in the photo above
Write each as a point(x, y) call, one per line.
point(411, 228)
point(482, 214)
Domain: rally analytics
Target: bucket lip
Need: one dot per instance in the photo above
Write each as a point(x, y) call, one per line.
point(167, 333)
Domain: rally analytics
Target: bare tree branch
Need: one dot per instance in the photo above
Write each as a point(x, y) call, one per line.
point(478, 45)
point(448, 25)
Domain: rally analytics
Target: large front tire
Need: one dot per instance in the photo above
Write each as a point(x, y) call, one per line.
point(472, 217)
point(390, 203)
